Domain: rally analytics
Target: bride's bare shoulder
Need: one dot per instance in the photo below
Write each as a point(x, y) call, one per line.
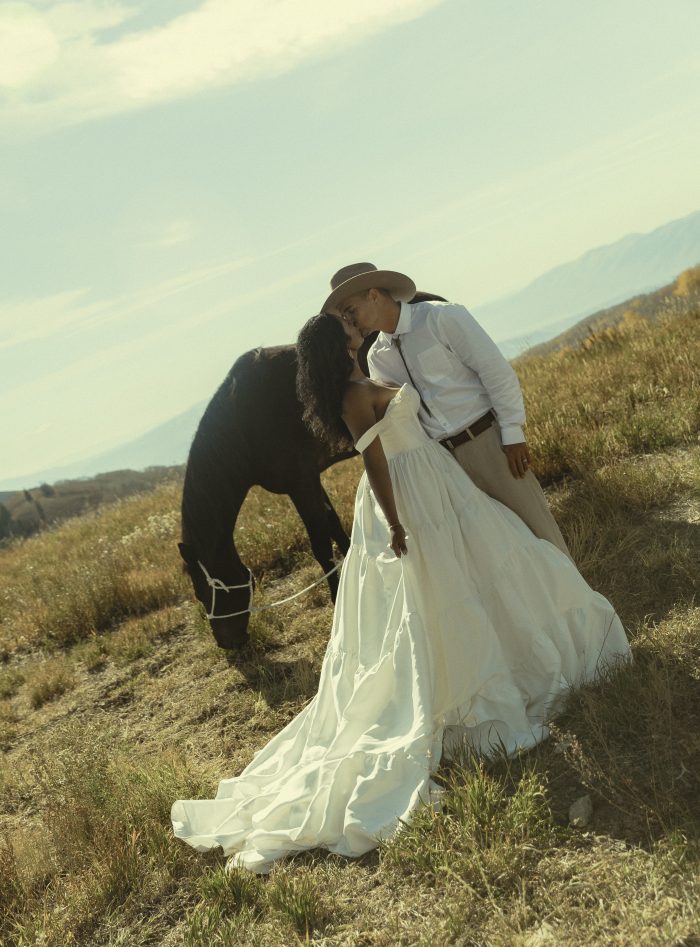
point(358, 398)
point(358, 391)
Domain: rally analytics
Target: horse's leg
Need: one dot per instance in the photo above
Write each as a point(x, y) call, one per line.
point(310, 500)
point(232, 633)
point(211, 539)
point(335, 527)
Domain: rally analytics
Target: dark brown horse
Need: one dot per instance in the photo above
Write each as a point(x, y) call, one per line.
point(252, 433)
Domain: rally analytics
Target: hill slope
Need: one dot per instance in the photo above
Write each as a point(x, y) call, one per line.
point(676, 297)
point(602, 277)
point(28, 511)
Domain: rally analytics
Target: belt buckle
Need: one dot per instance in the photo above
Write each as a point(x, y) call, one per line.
point(448, 443)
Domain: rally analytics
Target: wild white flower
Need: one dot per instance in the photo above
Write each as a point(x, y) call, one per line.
point(158, 526)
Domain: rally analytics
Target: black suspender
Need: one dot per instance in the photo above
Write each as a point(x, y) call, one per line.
point(397, 343)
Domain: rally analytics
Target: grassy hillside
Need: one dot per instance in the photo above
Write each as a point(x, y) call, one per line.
point(28, 511)
point(114, 701)
point(677, 298)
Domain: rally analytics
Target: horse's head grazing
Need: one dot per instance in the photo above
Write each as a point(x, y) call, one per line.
point(225, 588)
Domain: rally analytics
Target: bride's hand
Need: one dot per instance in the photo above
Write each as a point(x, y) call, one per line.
point(398, 540)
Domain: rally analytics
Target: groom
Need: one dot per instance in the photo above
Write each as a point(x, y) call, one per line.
point(470, 396)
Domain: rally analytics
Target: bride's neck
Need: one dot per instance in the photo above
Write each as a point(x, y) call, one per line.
point(356, 374)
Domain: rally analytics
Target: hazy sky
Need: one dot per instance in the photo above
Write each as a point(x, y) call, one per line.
point(179, 179)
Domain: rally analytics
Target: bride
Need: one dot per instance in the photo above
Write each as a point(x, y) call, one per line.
point(454, 625)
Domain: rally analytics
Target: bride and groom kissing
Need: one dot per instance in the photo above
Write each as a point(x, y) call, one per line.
point(460, 620)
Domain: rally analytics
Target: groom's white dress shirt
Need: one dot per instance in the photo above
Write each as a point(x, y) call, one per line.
point(457, 368)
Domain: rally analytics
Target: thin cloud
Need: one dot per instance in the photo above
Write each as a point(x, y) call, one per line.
point(59, 67)
point(175, 233)
point(28, 320)
point(28, 45)
point(45, 317)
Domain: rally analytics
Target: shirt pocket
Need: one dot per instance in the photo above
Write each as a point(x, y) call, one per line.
point(436, 363)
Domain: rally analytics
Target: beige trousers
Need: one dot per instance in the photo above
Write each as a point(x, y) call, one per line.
point(485, 461)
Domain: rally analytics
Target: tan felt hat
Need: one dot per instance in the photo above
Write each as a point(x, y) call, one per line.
point(359, 277)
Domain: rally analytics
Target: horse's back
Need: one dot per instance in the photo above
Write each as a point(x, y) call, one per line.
point(255, 418)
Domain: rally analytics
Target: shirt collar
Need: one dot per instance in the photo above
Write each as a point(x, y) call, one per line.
point(403, 325)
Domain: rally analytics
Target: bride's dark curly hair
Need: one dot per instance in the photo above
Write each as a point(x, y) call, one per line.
point(323, 368)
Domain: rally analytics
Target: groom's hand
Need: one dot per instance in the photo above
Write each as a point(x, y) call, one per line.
point(518, 459)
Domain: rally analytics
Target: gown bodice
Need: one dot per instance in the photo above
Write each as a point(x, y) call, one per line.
point(400, 429)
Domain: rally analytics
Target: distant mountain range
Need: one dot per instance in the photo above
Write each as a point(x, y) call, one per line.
point(601, 278)
point(638, 263)
point(163, 446)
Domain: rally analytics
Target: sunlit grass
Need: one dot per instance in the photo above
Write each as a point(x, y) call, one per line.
point(633, 390)
point(49, 681)
point(104, 838)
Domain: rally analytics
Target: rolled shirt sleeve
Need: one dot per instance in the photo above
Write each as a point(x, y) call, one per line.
point(463, 335)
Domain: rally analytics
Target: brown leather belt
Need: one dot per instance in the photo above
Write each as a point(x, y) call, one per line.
point(469, 433)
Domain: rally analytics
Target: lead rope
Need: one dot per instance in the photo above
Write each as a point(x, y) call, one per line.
point(215, 584)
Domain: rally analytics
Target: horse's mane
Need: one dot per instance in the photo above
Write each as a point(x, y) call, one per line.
point(219, 464)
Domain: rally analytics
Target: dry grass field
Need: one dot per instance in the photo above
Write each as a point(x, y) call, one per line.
point(115, 700)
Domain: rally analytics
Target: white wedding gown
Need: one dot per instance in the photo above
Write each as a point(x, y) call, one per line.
point(473, 636)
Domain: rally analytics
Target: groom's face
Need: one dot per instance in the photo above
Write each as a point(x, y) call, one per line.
point(362, 311)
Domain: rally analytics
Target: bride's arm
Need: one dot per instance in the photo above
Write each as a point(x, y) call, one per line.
point(358, 415)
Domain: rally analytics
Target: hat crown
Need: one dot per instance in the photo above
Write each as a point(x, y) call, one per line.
point(360, 277)
point(348, 272)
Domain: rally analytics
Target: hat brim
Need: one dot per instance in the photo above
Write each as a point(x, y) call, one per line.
point(401, 288)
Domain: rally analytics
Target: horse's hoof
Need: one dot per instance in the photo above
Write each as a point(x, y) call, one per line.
point(233, 641)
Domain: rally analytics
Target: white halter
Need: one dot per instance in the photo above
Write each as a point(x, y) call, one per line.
point(215, 584)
